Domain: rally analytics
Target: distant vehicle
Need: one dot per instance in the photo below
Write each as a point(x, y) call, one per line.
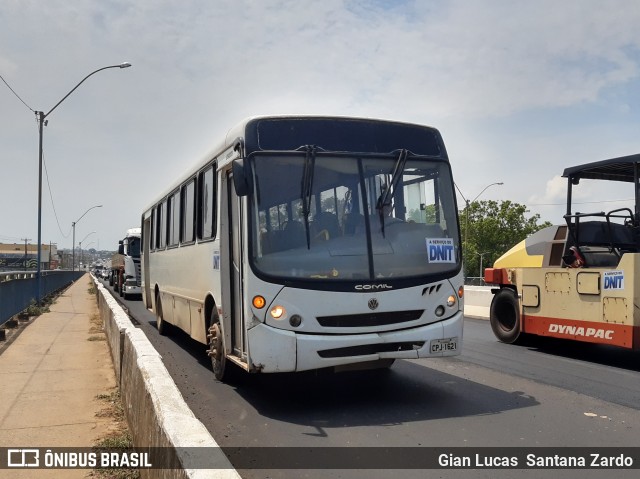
point(125, 265)
point(310, 242)
point(576, 281)
point(106, 270)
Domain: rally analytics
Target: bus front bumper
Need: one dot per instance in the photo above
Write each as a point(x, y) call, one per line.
point(277, 350)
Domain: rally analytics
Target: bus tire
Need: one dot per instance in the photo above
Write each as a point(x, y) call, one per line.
point(504, 316)
point(163, 327)
point(216, 351)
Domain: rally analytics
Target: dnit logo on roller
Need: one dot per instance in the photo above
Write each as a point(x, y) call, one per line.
point(613, 280)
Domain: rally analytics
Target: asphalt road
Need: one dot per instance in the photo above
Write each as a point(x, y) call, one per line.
point(540, 394)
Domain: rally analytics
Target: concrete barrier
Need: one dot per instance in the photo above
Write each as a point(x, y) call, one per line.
point(477, 301)
point(156, 412)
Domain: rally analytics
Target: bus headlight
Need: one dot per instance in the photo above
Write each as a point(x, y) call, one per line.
point(278, 312)
point(451, 300)
point(295, 320)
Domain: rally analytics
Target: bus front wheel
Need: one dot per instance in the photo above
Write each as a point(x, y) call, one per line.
point(216, 351)
point(505, 316)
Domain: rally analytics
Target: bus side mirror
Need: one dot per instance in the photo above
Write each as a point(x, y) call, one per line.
point(240, 178)
point(120, 247)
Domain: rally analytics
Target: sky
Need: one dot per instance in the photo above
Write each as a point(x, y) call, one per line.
point(519, 91)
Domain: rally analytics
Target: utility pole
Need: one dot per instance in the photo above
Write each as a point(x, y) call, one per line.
point(25, 251)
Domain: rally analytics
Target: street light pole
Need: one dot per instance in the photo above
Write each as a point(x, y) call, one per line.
point(41, 116)
point(73, 225)
point(466, 229)
point(481, 257)
point(81, 254)
point(466, 216)
point(81, 245)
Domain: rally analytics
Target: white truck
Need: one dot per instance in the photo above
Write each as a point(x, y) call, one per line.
point(125, 265)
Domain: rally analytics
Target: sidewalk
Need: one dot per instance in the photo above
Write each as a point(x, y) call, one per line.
point(50, 377)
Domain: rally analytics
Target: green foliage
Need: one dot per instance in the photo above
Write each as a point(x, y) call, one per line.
point(35, 310)
point(490, 228)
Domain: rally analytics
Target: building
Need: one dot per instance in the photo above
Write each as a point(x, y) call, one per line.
point(20, 257)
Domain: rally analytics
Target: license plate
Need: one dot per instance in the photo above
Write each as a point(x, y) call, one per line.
point(444, 345)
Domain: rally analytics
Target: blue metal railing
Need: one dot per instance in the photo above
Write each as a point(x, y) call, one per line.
point(18, 289)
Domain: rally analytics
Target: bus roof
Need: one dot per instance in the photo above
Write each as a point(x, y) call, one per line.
point(239, 130)
point(614, 169)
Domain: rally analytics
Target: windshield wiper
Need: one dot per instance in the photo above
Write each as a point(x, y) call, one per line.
point(385, 197)
point(307, 184)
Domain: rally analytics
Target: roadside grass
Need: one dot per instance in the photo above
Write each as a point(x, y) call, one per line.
point(96, 328)
point(119, 438)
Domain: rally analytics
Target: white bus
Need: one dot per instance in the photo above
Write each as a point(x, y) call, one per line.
point(308, 242)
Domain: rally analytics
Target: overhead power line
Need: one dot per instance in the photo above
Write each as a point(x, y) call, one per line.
point(16, 95)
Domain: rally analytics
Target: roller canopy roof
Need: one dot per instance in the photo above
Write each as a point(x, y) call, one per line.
point(614, 169)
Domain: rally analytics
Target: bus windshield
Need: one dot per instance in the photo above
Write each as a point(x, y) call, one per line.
point(347, 217)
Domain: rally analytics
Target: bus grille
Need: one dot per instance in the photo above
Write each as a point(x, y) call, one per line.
point(369, 319)
point(367, 349)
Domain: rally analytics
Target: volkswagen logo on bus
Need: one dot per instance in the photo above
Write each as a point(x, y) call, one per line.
point(373, 303)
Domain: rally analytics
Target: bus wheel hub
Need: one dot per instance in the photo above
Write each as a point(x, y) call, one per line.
point(215, 341)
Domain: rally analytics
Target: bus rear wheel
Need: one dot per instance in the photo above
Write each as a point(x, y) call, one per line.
point(162, 326)
point(505, 316)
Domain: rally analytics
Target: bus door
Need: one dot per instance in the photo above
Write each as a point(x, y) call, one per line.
point(233, 300)
point(146, 246)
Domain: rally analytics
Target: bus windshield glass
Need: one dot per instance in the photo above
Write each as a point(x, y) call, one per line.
point(340, 217)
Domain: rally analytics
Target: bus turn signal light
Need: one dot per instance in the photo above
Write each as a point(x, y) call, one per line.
point(258, 302)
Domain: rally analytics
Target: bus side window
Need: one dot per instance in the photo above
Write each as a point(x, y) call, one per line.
point(173, 219)
point(152, 236)
point(187, 223)
point(206, 224)
point(161, 232)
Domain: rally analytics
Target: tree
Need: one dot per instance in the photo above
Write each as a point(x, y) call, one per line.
point(493, 228)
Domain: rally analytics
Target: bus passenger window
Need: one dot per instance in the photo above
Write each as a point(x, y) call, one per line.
point(207, 204)
point(173, 220)
point(162, 224)
point(188, 212)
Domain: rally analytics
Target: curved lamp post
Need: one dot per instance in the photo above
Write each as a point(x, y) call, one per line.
point(80, 243)
point(467, 204)
point(86, 246)
point(73, 225)
point(40, 116)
